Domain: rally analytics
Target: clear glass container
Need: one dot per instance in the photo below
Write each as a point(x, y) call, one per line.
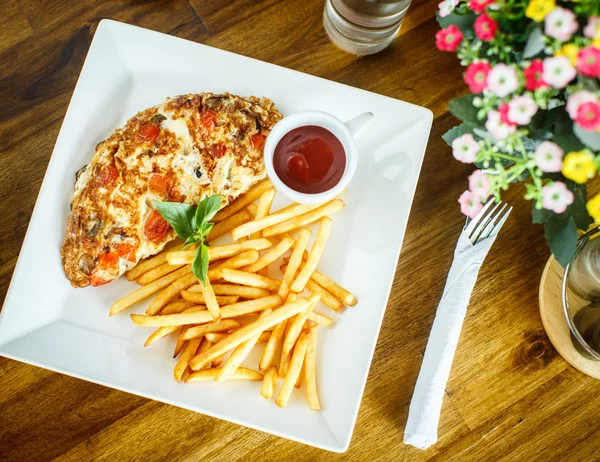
point(364, 26)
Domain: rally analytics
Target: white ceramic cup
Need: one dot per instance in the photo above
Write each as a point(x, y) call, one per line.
point(345, 132)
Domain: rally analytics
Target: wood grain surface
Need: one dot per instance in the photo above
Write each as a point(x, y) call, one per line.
point(510, 395)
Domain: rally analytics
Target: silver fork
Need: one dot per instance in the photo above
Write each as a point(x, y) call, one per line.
point(471, 249)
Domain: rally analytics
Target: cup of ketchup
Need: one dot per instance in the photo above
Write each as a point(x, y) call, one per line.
point(311, 156)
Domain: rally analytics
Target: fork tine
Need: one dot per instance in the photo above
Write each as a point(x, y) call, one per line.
point(493, 228)
point(470, 226)
point(484, 222)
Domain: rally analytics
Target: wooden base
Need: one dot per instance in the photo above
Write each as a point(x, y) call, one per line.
point(554, 321)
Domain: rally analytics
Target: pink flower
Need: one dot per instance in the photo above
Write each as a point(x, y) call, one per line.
point(479, 184)
point(533, 75)
point(592, 29)
point(476, 76)
point(470, 205)
point(556, 197)
point(521, 109)
point(478, 6)
point(495, 126)
point(502, 80)
point(588, 116)
point(558, 71)
point(446, 7)
point(449, 38)
point(503, 110)
point(485, 28)
point(560, 24)
point(548, 157)
point(465, 148)
point(577, 99)
point(588, 62)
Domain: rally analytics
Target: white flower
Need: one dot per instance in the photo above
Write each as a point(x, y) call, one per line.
point(495, 126)
point(446, 7)
point(556, 197)
point(521, 109)
point(549, 157)
point(592, 30)
point(502, 80)
point(558, 71)
point(479, 185)
point(560, 24)
point(465, 148)
point(577, 99)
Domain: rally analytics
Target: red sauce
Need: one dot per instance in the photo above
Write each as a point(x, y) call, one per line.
point(310, 159)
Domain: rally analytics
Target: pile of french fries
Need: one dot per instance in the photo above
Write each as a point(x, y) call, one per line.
point(241, 304)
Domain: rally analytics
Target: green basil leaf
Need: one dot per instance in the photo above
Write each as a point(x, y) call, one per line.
point(206, 227)
point(190, 240)
point(179, 216)
point(200, 264)
point(207, 209)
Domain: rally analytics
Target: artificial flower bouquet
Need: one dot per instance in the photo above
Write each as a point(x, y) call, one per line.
point(533, 69)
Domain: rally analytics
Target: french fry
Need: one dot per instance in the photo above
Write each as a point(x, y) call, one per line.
point(188, 352)
point(294, 370)
point(269, 383)
point(310, 377)
point(253, 209)
point(184, 257)
point(209, 374)
point(218, 361)
point(326, 297)
point(283, 215)
point(253, 194)
point(145, 291)
point(328, 209)
point(264, 207)
point(299, 379)
point(219, 326)
point(156, 273)
point(152, 262)
point(165, 330)
point(211, 301)
point(313, 257)
point(214, 337)
point(204, 345)
point(250, 330)
point(264, 271)
point(271, 255)
point(202, 316)
point(294, 264)
point(238, 261)
point(320, 319)
point(241, 291)
point(226, 225)
point(337, 290)
point(272, 346)
point(295, 326)
point(198, 298)
point(239, 354)
point(284, 364)
point(168, 293)
point(176, 307)
point(250, 279)
point(180, 343)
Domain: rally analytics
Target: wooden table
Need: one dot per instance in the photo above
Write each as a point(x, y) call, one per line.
point(510, 395)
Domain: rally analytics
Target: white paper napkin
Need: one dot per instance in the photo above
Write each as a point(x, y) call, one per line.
point(426, 404)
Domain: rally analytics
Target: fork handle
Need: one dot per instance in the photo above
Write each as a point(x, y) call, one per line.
point(426, 404)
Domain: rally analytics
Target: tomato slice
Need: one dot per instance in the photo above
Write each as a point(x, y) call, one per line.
point(105, 175)
point(96, 280)
point(156, 226)
point(149, 131)
point(257, 141)
point(218, 150)
point(108, 260)
point(208, 119)
point(176, 196)
point(126, 251)
point(158, 183)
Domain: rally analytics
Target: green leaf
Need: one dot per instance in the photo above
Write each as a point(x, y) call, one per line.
point(568, 143)
point(577, 209)
point(207, 209)
point(535, 44)
point(206, 227)
point(540, 215)
point(200, 264)
point(179, 216)
point(463, 21)
point(590, 138)
point(456, 132)
point(463, 109)
point(190, 240)
point(561, 235)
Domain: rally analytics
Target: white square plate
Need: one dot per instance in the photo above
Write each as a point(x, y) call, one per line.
point(48, 323)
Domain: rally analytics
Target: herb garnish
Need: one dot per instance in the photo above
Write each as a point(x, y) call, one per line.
point(192, 224)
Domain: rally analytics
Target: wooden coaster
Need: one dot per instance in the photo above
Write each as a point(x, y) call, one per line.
point(553, 318)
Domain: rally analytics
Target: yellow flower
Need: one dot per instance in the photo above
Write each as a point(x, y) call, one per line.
point(579, 166)
point(538, 9)
point(570, 50)
point(596, 42)
point(593, 207)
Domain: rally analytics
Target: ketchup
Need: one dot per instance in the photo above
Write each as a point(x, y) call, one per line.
point(310, 159)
